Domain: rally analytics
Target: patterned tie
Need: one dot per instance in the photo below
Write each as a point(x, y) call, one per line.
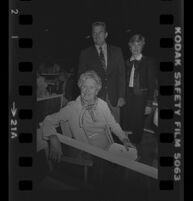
point(102, 58)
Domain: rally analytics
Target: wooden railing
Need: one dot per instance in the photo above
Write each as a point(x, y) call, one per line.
point(122, 161)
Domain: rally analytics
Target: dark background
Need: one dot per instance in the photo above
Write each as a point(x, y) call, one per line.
point(61, 26)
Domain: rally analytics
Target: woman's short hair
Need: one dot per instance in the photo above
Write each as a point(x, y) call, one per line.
point(90, 75)
point(137, 38)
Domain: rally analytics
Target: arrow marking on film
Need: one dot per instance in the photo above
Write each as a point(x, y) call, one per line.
point(14, 110)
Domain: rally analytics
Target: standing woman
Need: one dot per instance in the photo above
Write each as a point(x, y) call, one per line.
point(140, 87)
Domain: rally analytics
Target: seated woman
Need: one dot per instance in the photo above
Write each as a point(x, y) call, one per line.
point(88, 117)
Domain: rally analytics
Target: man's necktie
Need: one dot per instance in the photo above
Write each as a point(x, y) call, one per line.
point(102, 58)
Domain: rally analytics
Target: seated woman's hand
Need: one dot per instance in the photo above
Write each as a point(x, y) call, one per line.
point(55, 149)
point(128, 144)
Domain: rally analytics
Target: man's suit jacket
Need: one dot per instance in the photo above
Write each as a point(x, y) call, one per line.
point(113, 79)
point(145, 70)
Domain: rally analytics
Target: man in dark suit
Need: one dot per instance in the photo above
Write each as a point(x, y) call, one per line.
point(107, 61)
point(140, 88)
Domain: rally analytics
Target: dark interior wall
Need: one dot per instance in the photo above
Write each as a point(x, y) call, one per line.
point(62, 26)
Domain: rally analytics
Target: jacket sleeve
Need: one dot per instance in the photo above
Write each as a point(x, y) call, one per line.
point(121, 68)
point(51, 122)
point(127, 73)
point(113, 125)
point(151, 70)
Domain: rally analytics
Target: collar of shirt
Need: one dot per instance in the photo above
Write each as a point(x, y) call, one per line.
point(104, 48)
point(81, 106)
point(138, 58)
point(87, 106)
point(84, 108)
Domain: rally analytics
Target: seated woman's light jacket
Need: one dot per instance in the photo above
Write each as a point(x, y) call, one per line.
point(83, 127)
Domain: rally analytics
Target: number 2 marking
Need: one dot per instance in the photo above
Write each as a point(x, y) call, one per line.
point(14, 11)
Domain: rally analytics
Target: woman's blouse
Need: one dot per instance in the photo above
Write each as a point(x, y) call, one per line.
point(83, 126)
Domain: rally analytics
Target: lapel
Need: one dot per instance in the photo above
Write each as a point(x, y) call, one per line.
point(109, 59)
point(141, 65)
point(129, 67)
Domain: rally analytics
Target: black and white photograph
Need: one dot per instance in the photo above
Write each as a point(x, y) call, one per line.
point(97, 90)
point(97, 66)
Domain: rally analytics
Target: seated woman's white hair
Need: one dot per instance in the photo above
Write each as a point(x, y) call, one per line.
point(90, 75)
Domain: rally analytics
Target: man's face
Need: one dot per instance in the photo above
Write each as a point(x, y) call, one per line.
point(89, 90)
point(99, 35)
point(136, 48)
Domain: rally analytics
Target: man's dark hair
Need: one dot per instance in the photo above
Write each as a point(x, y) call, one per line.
point(94, 24)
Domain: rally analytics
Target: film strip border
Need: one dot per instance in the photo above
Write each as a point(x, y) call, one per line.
point(22, 96)
point(170, 100)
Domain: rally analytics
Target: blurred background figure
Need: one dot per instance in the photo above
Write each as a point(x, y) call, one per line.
point(56, 68)
point(42, 87)
point(61, 81)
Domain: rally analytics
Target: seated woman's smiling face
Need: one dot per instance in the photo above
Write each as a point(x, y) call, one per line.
point(89, 90)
